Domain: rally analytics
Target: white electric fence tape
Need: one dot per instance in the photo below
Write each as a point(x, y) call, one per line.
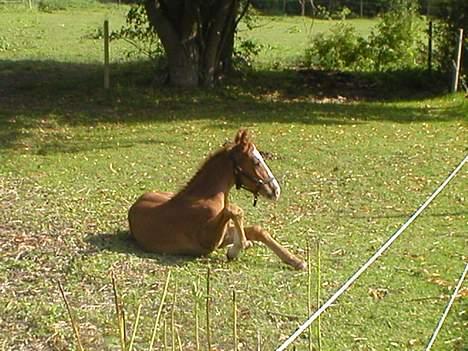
point(371, 260)
point(447, 309)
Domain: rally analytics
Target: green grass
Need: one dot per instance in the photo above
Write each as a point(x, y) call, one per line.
point(73, 158)
point(66, 36)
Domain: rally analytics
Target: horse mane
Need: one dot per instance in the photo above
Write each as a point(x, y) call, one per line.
point(242, 141)
point(227, 147)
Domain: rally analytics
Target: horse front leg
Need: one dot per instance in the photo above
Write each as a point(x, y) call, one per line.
point(239, 240)
point(256, 233)
point(226, 229)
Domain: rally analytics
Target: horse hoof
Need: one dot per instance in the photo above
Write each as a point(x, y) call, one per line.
point(232, 253)
point(301, 265)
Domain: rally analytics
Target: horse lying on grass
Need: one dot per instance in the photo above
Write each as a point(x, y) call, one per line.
point(199, 219)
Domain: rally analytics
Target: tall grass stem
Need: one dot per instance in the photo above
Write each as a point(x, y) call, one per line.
point(161, 305)
point(119, 314)
point(74, 325)
point(319, 302)
point(173, 329)
point(135, 328)
point(196, 298)
point(234, 320)
point(208, 303)
point(309, 293)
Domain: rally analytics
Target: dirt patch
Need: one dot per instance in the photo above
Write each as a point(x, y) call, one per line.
point(337, 85)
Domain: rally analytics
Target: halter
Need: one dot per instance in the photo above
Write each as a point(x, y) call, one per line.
point(238, 172)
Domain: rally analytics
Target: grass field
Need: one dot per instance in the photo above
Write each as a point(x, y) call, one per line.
point(73, 158)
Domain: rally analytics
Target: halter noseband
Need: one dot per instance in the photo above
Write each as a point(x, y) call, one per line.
point(238, 172)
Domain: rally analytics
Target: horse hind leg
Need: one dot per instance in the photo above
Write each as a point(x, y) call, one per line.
point(256, 233)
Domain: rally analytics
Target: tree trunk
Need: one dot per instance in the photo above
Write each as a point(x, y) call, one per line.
point(303, 5)
point(197, 36)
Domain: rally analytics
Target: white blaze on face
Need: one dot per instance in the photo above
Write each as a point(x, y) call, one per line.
point(274, 183)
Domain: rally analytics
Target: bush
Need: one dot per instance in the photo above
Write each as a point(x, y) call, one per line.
point(395, 43)
point(59, 5)
point(342, 49)
point(452, 15)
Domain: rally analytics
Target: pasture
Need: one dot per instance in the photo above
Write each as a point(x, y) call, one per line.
point(73, 158)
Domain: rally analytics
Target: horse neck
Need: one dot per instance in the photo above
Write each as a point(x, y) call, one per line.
point(214, 177)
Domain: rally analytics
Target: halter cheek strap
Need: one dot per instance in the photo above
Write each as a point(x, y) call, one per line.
point(238, 172)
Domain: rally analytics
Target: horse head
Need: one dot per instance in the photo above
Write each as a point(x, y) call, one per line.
point(250, 169)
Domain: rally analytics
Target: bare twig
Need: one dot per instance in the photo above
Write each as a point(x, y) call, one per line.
point(120, 314)
point(319, 283)
point(165, 334)
point(208, 302)
point(74, 325)
point(242, 13)
point(234, 318)
point(179, 340)
point(196, 287)
point(158, 316)
point(135, 328)
point(309, 293)
point(173, 329)
point(259, 341)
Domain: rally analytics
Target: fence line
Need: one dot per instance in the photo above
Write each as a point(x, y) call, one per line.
point(371, 260)
point(447, 309)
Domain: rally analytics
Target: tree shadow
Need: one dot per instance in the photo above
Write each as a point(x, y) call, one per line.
point(40, 93)
point(121, 242)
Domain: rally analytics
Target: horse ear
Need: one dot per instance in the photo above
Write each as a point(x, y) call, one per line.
point(242, 137)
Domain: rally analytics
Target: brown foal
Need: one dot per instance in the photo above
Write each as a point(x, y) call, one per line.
point(199, 219)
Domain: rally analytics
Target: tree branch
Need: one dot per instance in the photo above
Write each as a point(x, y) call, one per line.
point(242, 14)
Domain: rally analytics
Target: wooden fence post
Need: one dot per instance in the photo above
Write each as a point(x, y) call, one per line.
point(456, 73)
point(106, 54)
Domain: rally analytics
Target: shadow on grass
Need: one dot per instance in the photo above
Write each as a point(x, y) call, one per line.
point(121, 242)
point(68, 94)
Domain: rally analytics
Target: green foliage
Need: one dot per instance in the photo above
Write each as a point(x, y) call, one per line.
point(246, 49)
point(138, 32)
point(321, 12)
point(342, 49)
point(393, 44)
point(396, 41)
point(451, 15)
point(50, 5)
point(342, 14)
point(245, 52)
point(60, 5)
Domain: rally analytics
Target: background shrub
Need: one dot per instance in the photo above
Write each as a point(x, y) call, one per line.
point(395, 43)
point(59, 5)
